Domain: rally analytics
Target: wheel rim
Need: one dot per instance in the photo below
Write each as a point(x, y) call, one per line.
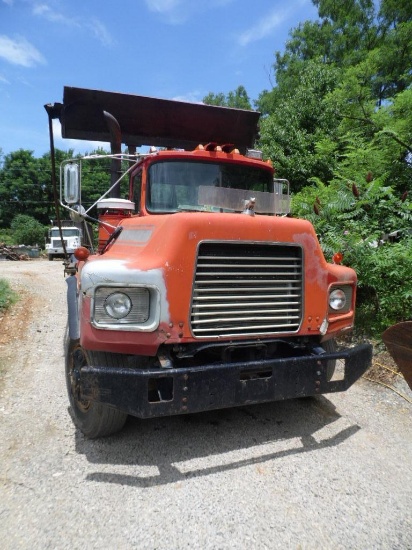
point(77, 360)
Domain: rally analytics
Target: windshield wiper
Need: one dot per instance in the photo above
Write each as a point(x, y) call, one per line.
point(191, 209)
point(113, 236)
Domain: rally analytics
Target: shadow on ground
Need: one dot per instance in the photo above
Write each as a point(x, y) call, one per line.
point(196, 445)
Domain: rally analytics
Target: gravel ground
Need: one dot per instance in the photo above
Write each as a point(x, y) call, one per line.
point(330, 472)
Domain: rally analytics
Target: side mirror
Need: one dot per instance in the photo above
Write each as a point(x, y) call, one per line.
point(71, 183)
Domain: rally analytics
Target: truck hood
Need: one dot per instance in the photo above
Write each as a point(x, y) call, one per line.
point(168, 243)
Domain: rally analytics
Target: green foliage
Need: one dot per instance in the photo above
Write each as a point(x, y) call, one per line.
point(25, 186)
point(300, 133)
point(237, 99)
point(6, 236)
point(356, 218)
point(338, 125)
point(385, 288)
point(342, 79)
point(27, 230)
point(7, 296)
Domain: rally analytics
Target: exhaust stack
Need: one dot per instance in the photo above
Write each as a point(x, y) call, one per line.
point(116, 149)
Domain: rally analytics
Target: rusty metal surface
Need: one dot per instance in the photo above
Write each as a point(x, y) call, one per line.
point(153, 121)
point(398, 340)
point(216, 386)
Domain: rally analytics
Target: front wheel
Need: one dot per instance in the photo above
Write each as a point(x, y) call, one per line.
point(93, 419)
point(51, 257)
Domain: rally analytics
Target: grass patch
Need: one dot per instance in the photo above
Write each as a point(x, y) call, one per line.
point(6, 237)
point(7, 296)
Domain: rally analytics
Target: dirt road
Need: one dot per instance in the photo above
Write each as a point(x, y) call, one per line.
point(329, 472)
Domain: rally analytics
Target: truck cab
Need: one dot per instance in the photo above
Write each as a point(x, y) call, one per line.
point(72, 239)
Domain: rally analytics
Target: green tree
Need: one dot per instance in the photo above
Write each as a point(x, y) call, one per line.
point(27, 230)
point(215, 99)
point(341, 79)
point(25, 186)
point(21, 190)
point(338, 124)
point(300, 134)
point(237, 99)
point(374, 138)
point(345, 33)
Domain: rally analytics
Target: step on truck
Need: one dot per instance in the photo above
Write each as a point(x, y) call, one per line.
point(203, 291)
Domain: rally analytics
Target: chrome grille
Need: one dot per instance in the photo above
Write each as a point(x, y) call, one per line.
point(246, 289)
point(57, 243)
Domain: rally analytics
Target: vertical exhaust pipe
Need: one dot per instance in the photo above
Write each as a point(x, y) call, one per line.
point(116, 149)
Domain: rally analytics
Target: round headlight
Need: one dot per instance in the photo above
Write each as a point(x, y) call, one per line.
point(337, 299)
point(118, 305)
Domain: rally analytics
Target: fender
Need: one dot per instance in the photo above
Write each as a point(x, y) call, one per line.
point(72, 309)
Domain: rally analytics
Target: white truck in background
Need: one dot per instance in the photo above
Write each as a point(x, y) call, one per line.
point(72, 237)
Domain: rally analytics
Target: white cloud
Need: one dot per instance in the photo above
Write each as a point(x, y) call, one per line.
point(100, 32)
point(163, 6)
point(94, 25)
point(172, 10)
point(78, 145)
point(264, 27)
point(43, 10)
point(19, 51)
point(190, 97)
point(267, 24)
point(178, 11)
point(4, 80)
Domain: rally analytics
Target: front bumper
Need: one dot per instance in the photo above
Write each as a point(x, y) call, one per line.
point(148, 393)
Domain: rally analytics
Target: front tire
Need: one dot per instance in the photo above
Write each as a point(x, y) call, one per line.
point(93, 419)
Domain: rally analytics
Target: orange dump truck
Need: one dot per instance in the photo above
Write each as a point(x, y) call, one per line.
point(203, 293)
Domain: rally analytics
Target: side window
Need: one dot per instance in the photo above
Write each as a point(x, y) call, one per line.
point(137, 190)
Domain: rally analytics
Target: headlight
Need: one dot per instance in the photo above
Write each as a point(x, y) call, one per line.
point(118, 305)
point(337, 299)
point(133, 307)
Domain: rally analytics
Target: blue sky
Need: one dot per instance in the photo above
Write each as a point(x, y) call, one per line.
point(173, 49)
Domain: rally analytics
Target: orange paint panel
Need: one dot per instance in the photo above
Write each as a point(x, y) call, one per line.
point(169, 245)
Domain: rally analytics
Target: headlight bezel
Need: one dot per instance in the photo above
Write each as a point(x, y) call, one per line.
point(343, 292)
point(144, 314)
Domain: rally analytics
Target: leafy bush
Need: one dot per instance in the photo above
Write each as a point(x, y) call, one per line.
point(357, 219)
point(385, 285)
point(6, 237)
point(27, 230)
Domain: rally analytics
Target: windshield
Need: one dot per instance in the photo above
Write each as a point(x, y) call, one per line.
point(175, 186)
point(66, 232)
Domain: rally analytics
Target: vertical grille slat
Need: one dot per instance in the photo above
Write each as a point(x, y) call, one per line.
point(246, 288)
